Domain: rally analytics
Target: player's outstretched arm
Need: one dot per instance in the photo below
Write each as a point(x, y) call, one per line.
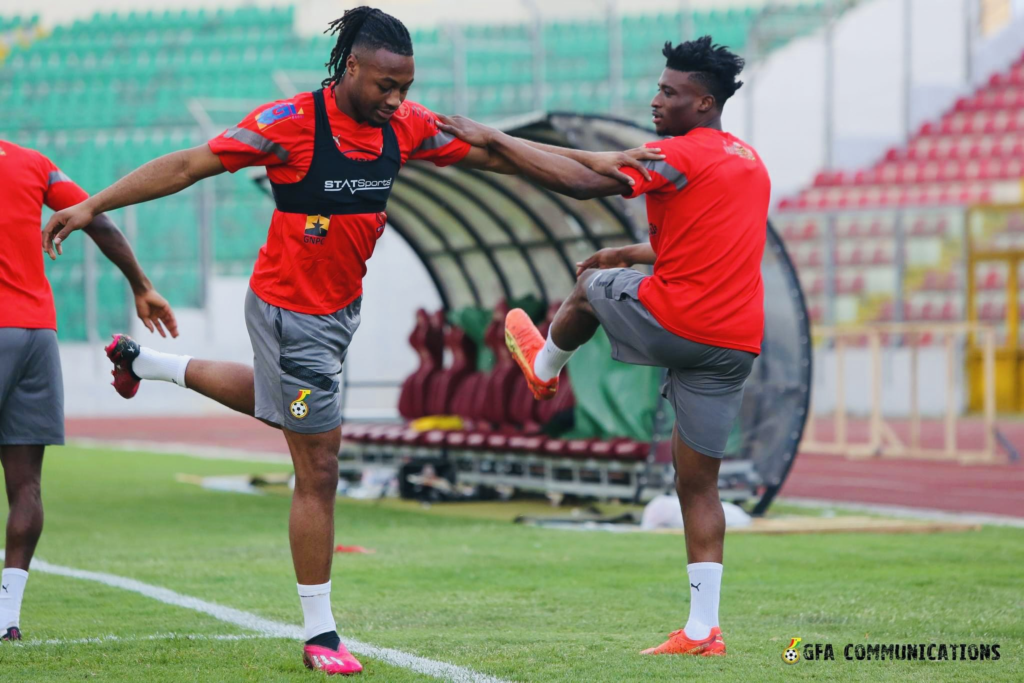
point(153, 310)
point(608, 164)
point(575, 173)
point(161, 177)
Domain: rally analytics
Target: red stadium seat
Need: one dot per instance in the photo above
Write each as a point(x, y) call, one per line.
point(469, 399)
point(501, 381)
point(449, 380)
point(428, 343)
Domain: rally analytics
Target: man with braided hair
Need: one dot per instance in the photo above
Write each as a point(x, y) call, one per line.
point(332, 157)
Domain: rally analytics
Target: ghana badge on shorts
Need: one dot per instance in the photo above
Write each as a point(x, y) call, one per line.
point(298, 408)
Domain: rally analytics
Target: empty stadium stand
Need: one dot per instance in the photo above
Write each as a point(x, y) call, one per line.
point(905, 217)
point(105, 94)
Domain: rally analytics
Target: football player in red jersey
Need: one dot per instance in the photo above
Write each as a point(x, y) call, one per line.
point(332, 157)
point(31, 382)
point(700, 314)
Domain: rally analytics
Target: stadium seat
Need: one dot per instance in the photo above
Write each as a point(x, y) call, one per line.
point(128, 74)
point(500, 385)
point(427, 340)
point(449, 380)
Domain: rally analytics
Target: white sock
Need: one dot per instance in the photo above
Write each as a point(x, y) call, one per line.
point(12, 590)
point(316, 609)
point(166, 367)
point(705, 587)
point(550, 360)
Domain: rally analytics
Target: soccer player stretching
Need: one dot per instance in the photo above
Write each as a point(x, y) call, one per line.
point(701, 313)
point(31, 382)
point(332, 157)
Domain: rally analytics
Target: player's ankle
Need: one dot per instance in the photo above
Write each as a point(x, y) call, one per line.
point(705, 588)
point(316, 613)
point(697, 631)
point(330, 639)
point(550, 360)
point(165, 367)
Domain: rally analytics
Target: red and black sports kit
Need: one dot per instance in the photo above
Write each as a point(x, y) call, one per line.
point(331, 179)
point(31, 382)
point(701, 313)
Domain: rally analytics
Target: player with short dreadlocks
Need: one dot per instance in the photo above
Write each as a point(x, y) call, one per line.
point(332, 157)
point(700, 315)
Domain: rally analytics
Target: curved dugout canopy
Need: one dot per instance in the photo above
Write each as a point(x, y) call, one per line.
point(485, 237)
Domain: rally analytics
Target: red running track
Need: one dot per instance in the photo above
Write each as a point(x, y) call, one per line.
point(221, 431)
point(987, 489)
point(996, 489)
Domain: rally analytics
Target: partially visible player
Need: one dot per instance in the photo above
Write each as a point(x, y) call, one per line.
point(332, 157)
point(700, 315)
point(31, 385)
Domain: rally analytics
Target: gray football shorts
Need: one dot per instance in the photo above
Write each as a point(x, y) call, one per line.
point(297, 361)
point(704, 383)
point(31, 388)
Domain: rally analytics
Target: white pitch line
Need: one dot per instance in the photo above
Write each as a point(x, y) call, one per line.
point(907, 512)
point(132, 639)
point(267, 627)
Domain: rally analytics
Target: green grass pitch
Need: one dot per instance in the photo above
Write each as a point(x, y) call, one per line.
point(513, 602)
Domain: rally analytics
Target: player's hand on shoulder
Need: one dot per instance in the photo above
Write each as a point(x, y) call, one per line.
point(467, 130)
point(610, 257)
point(155, 313)
point(62, 224)
point(610, 163)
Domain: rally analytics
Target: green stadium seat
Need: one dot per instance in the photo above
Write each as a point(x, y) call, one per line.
point(116, 86)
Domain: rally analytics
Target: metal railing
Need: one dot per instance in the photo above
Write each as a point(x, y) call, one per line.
point(882, 438)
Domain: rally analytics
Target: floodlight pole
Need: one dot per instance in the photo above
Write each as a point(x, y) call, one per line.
point(749, 105)
point(537, 45)
point(459, 71)
point(685, 20)
point(206, 210)
point(969, 26)
point(908, 63)
point(90, 282)
point(131, 232)
point(615, 54)
point(830, 91)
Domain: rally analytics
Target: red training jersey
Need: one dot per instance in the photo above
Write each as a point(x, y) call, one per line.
point(27, 181)
point(707, 210)
point(319, 279)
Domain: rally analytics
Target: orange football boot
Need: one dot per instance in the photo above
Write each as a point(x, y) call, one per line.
point(524, 342)
point(679, 644)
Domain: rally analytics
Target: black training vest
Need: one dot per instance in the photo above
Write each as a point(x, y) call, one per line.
point(336, 185)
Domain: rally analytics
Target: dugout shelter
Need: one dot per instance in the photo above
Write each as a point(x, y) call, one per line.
point(489, 242)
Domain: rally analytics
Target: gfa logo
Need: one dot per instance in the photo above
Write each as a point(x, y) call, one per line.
point(357, 185)
point(791, 655)
point(298, 407)
point(810, 652)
